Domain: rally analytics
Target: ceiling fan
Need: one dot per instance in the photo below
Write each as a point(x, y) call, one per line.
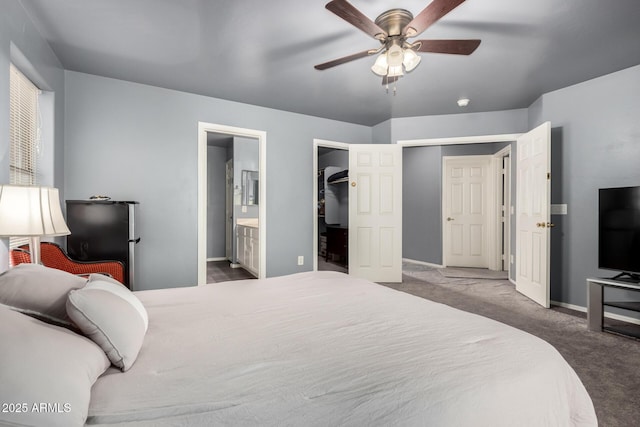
point(392, 28)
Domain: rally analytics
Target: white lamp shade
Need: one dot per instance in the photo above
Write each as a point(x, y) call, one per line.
point(31, 211)
point(411, 60)
point(380, 67)
point(395, 55)
point(395, 71)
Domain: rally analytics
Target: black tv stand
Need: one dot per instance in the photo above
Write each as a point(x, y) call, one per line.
point(632, 277)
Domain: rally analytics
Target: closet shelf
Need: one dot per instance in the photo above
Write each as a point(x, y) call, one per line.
point(338, 181)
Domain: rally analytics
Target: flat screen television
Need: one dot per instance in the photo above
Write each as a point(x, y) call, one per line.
point(619, 231)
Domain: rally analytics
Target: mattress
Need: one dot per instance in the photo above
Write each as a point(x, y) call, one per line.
point(327, 349)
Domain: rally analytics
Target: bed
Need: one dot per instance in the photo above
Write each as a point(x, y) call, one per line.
point(327, 349)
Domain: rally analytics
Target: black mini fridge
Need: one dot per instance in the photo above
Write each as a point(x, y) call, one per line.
point(103, 230)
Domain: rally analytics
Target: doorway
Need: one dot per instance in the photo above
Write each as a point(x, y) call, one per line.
point(372, 239)
point(331, 218)
point(249, 213)
point(229, 157)
point(530, 224)
point(476, 210)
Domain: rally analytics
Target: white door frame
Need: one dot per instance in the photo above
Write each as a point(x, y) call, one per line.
point(478, 139)
point(261, 136)
point(501, 201)
point(317, 143)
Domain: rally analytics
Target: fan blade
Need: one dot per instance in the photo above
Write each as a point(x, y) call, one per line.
point(344, 59)
point(455, 47)
point(430, 14)
point(346, 11)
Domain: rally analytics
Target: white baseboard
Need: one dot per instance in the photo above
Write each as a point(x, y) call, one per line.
point(613, 316)
point(219, 258)
point(428, 264)
point(232, 265)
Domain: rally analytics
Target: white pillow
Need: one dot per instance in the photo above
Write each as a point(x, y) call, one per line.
point(110, 321)
point(108, 284)
point(46, 372)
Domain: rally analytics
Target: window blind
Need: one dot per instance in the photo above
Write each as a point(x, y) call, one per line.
point(24, 133)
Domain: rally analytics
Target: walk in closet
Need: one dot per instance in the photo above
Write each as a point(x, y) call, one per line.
point(333, 209)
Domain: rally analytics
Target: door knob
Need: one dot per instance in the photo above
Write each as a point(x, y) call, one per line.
point(450, 219)
point(353, 184)
point(550, 224)
point(540, 224)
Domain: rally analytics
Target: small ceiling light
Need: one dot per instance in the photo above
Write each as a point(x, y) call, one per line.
point(381, 66)
point(463, 102)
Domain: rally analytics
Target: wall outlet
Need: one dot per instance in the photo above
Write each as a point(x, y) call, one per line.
point(244, 208)
point(300, 260)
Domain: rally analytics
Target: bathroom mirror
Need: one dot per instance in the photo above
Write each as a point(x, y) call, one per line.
point(249, 187)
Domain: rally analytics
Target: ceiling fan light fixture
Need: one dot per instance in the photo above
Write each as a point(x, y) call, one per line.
point(395, 55)
point(395, 71)
point(381, 65)
point(410, 60)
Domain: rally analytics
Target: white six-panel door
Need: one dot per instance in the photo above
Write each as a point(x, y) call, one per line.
point(533, 214)
point(465, 210)
point(375, 212)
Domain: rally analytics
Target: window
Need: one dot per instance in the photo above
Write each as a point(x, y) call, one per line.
point(23, 128)
point(24, 133)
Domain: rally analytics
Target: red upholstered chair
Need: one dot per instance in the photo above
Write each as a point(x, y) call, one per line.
point(53, 256)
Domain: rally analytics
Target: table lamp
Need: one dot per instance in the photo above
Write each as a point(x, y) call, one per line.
point(31, 211)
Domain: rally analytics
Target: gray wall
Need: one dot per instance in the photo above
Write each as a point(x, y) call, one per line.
point(596, 144)
point(22, 44)
point(456, 125)
point(142, 145)
point(216, 201)
point(381, 133)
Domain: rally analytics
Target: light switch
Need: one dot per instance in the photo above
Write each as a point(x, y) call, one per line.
point(559, 209)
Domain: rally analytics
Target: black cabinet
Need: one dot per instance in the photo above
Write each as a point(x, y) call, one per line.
point(338, 244)
point(103, 230)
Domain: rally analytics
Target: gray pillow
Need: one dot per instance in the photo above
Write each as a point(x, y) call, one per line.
point(39, 291)
point(109, 320)
point(46, 372)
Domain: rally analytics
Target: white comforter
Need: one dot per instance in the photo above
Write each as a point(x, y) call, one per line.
point(325, 349)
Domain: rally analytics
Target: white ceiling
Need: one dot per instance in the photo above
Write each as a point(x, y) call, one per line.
point(263, 53)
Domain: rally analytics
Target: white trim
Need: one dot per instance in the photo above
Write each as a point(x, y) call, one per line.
point(261, 136)
point(496, 237)
point(218, 258)
point(608, 315)
point(428, 264)
point(506, 151)
point(480, 139)
point(316, 144)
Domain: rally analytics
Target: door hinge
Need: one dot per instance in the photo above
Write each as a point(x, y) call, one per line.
point(549, 175)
